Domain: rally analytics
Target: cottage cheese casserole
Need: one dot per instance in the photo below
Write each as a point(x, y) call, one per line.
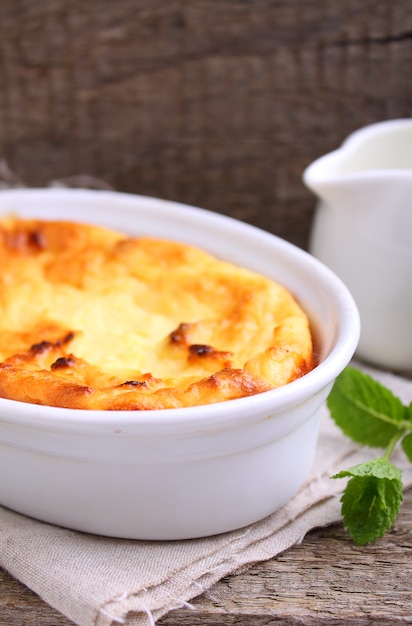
point(93, 319)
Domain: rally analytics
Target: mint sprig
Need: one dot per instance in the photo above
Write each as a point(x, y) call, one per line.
point(373, 416)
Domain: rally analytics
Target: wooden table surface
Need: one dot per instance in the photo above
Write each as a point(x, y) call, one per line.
point(324, 580)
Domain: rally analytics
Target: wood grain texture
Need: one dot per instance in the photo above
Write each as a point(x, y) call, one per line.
point(217, 104)
point(324, 580)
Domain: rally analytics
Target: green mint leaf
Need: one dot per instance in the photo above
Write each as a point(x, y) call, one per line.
point(365, 410)
point(371, 500)
point(407, 446)
point(376, 468)
point(409, 414)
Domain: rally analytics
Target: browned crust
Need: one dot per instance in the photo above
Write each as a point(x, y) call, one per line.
point(42, 387)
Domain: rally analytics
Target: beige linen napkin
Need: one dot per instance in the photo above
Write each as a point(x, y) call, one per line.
point(97, 581)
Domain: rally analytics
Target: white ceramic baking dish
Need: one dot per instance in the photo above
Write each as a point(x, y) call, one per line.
point(176, 473)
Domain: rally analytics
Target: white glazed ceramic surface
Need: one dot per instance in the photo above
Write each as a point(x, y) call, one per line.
point(176, 473)
point(363, 231)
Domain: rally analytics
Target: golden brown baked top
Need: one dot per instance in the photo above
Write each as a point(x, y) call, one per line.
point(90, 318)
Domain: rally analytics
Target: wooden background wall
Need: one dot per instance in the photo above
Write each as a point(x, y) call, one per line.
point(217, 103)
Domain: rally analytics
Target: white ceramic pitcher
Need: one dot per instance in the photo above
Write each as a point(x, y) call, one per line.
point(363, 231)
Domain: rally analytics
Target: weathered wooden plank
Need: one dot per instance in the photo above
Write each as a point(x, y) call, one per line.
point(221, 105)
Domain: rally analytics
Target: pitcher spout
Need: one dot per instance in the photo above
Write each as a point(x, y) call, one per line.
point(370, 160)
point(325, 178)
